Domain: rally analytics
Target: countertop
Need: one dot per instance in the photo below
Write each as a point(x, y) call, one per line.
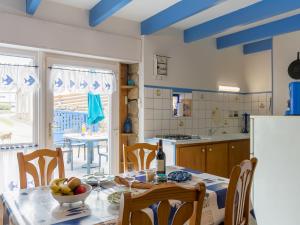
point(208, 139)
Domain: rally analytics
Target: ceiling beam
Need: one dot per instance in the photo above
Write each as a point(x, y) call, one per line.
point(268, 30)
point(32, 6)
point(179, 11)
point(105, 9)
point(258, 46)
point(250, 14)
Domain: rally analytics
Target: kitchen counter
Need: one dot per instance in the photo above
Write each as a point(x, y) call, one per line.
point(207, 139)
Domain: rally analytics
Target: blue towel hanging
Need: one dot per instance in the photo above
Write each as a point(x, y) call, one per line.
point(95, 109)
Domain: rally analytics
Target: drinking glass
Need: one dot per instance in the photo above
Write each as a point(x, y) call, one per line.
point(130, 177)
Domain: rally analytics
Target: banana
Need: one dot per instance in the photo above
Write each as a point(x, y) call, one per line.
point(55, 184)
point(64, 188)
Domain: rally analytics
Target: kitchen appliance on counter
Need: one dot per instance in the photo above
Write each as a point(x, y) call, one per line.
point(294, 101)
point(246, 117)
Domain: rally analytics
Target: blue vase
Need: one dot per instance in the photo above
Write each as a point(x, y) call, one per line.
point(128, 126)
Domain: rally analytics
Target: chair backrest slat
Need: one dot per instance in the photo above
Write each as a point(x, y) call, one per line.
point(237, 207)
point(189, 203)
point(43, 175)
point(136, 155)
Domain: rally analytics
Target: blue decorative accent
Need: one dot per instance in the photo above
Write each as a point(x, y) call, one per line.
point(96, 85)
point(253, 13)
point(268, 30)
point(107, 86)
point(221, 191)
point(105, 9)
point(83, 84)
point(72, 83)
point(258, 46)
point(8, 80)
point(175, 13)
point(29, 81)
point(192, 171)
point(58, 83)
point(31, 6)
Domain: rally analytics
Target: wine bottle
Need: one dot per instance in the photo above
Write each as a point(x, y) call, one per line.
point(160, 159)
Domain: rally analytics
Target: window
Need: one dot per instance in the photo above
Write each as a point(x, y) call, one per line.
point(16, 104)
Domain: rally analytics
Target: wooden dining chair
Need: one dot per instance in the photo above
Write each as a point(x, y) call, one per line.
point(136, 155)
point(237, 206)
point(43, 175)
point(189, 203)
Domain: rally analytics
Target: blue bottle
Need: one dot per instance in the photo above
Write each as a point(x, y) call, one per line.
point(128, 126)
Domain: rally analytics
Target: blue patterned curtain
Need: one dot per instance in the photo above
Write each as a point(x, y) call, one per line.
point(18, 78)
point(68, 80)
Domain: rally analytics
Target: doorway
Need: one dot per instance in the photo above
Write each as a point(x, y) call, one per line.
point(73, 89)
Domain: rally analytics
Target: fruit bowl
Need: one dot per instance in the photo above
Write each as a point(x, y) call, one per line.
point(73, 198)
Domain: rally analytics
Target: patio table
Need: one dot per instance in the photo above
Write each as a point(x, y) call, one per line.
point(89, 139)
point(36, 206)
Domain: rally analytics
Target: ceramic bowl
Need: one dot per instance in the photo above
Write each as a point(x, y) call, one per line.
point(73, 198)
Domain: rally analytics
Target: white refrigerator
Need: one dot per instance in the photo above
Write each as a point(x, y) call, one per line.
point(275, 141)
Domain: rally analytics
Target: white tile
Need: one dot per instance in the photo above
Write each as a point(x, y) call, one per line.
point(201, 123)
point(149, 103)
point(157, 125)
point(188, 123)
point(165, 124)
point(158, 93)
point(157, 103)
point(158, 114)
point(174, 124)
point(166, 114)
point(262, 97)
point(166, 103)
point(149, 125)
point(148, 92)
point(148, 114)
point(166, 93)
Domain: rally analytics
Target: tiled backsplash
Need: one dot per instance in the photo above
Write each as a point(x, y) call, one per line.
point(212, 112)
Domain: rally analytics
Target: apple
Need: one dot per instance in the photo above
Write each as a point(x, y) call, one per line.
point(80, 189)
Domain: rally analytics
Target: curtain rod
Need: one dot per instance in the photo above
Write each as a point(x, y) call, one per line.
point(7, 64)
point(76, 70)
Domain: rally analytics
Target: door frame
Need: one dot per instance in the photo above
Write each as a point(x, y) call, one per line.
point(113, 144)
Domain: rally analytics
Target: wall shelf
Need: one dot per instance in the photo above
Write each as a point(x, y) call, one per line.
point(128, 86)
point(128, 134)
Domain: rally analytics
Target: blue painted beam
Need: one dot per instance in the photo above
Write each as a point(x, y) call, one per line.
point(179, 11)
point(258, 46)
point(253, 13)
point(268, 30)
point(32, 6)
point(105, 9)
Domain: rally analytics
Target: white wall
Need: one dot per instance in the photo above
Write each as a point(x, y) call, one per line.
point(58, 27)
point(198, 65)
point(285, 49)
point(258, 71)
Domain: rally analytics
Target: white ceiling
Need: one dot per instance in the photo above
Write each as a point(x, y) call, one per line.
point(139, 10)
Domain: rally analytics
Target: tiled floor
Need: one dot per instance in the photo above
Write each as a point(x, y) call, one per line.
point(9, 170)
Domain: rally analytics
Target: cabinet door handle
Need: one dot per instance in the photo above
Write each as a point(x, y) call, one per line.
point(210, 149)
point(203, 150)
point(232, 147)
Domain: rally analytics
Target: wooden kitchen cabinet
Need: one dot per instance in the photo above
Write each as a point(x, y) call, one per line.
point(217, 159)
point(192, 157)
point(238, 151)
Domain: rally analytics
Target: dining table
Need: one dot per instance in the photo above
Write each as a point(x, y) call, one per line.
point(89, 140)
point(37, 206)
